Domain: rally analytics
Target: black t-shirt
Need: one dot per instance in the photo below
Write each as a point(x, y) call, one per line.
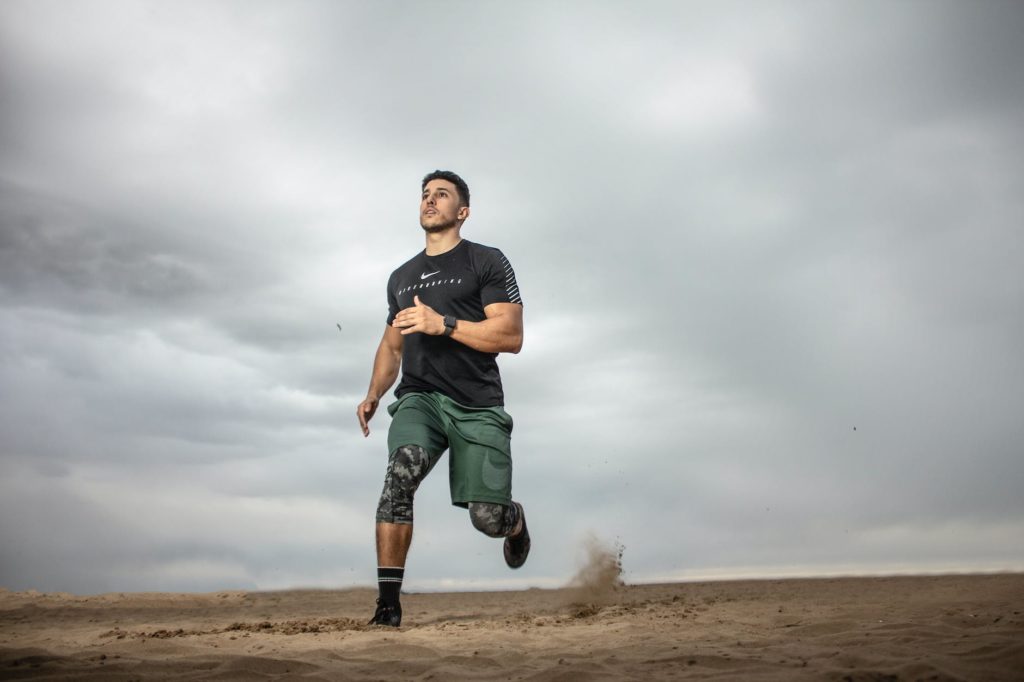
point(459, 282)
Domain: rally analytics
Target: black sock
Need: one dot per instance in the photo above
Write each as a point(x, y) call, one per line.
point(389, 583)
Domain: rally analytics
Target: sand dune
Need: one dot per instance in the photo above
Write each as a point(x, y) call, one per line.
point(906, 628)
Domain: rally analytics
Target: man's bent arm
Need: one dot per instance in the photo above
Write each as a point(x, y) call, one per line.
point(385, 371)
point(501, 332)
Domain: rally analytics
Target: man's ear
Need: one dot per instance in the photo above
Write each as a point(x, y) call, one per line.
point(463, 213)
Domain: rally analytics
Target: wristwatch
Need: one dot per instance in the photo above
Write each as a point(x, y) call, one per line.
point(449, 324)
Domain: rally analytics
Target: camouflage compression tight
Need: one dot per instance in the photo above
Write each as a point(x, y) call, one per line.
point(408, 465)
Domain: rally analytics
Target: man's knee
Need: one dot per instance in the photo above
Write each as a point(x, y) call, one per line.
point(489, 518)
point(408, 465)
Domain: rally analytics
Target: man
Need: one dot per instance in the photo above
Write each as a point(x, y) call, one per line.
point(451, 309)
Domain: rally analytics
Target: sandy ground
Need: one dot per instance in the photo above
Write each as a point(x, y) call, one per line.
point(906, 628)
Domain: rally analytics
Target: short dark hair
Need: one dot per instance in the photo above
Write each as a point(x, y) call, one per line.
point(451, 177)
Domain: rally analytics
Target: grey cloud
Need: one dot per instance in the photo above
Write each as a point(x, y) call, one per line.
point(739, 233)
point(71, 256)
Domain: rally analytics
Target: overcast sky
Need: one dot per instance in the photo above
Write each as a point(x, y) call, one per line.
point(770, 254)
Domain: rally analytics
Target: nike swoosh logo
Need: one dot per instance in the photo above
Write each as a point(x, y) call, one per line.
point(428, 274)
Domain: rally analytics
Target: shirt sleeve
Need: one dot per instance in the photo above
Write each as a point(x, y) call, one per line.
point(392, 300)
point(498, 281)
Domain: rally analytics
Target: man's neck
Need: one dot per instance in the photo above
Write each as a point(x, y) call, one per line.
point(442, 242)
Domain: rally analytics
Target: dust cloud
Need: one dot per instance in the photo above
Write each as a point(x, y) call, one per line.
point(597, 582)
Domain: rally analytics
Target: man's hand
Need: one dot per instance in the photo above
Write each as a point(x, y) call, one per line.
point(365, 413)
point(420, 318)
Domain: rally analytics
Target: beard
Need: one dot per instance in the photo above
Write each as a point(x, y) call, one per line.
point(440, 227)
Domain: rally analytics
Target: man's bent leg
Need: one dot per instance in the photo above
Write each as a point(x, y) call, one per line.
point(481, 475)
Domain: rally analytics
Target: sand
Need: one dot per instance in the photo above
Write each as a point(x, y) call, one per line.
point(899, 628)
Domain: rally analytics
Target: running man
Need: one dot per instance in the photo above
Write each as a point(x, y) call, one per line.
point(451, 309)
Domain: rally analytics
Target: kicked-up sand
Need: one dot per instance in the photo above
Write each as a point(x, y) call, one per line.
point(901, 628)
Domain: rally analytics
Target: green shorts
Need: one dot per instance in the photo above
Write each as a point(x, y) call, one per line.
point(480, 457)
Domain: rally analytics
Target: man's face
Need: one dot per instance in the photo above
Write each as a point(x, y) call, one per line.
point(440, 208)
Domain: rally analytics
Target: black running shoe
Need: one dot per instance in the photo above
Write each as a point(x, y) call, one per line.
point(517, 547)
point(390, 616)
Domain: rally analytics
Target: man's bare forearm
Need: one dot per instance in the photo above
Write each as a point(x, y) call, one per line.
point(494, 335)
point(385, 371)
